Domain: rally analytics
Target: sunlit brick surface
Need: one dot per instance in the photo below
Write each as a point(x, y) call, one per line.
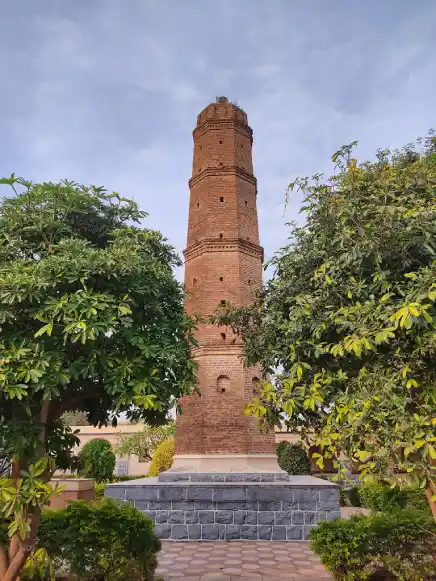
point(223, 262)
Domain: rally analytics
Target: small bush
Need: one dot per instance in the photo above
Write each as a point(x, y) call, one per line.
point(162, 458)
point(342, 497)
point(396, 545)
point(353, 496)
point(103, 540)
point(97, 460)
point(381, 497)
point(126, 478)
point(349, 496)
point(99, 490)
point(292, 458)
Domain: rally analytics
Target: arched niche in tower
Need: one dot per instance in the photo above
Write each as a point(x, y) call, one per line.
point(255, 385)
point(223, 384)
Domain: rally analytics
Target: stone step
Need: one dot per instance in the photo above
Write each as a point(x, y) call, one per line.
point(234, 509)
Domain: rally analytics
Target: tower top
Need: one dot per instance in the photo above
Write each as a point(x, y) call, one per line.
point(222, 110)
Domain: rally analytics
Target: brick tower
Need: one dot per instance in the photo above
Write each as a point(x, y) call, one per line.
point(201, 498)
point(223, 262)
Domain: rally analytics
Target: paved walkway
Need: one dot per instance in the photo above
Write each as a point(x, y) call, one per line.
point(239, 561)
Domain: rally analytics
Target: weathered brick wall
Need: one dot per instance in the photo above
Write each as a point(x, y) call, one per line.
point(223, 262)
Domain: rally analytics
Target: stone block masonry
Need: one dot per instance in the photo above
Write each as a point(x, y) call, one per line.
point(225, 507)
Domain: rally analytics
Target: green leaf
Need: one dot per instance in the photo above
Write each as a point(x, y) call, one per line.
point(39, 467)
point(45, 329)
point(363, 455)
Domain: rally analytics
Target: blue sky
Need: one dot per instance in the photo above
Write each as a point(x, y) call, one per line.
point(107, 91)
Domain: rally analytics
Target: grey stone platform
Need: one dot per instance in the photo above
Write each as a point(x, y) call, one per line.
point(231, 506)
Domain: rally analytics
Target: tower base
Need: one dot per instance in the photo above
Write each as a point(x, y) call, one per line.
point(226, 463)
point(230, 506)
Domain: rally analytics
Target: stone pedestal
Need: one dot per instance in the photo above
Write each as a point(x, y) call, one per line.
point(73, 489)
point(231, 506)
point(226, 463)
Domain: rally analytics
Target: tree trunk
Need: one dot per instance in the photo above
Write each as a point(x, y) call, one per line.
point(12, 561)
point(430, 492)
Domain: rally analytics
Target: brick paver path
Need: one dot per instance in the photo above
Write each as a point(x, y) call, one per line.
point(239, 561)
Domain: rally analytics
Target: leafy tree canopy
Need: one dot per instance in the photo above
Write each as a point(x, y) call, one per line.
point(91, 320)
point(143, 443)
point(349, 317)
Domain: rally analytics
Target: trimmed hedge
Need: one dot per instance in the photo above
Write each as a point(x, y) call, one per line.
point(395, 545)
point(97, 460)
point(162, 458)
point(99, 490)
point(126, 478)
point(381, 497)
point(102, 540)
point(292, 458)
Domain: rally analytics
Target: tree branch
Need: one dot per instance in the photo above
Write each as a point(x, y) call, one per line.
point(14, 546)
point(13, 543)
point(430, 491)
point(16, 565)
point(43, 417)
point(3, 562)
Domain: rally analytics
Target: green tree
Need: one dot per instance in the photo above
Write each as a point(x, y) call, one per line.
point(144, 442)
point(75, 419)
point(91, 320)
point(349, 317)
point(97, 460)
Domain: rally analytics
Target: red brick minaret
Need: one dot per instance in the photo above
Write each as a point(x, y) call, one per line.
point(223, 262)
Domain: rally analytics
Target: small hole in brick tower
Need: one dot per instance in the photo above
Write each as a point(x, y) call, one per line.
point(221, 142)
point(221, 278)
point(221, 235)
point(221, 163)
point(194, 281)
point(223, 302)
point(249, 281)
point(223, 336)
point(221, 199)
point(246, 203)
point(198, 204)
point(223, 383)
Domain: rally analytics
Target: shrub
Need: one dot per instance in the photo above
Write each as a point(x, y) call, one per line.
point(348, 495)
point(392, 545)
point(97, 460)
point(281, 446)
point(162, 458)
point(99, 490)
point(126, 478)
point(353, 496)
point(293, 458)
point(381, 497)
point(342, 497)
point(103, 540)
